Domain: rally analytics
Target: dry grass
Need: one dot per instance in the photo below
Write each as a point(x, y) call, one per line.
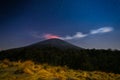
point(29, 71)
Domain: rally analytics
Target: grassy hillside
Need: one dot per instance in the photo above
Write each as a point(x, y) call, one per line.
point(28, 70)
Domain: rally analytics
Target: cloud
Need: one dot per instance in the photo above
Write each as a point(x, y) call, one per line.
point(101, 30)
point(76, 36)
point(45, 36)
point(81, 35)
point(50, 36)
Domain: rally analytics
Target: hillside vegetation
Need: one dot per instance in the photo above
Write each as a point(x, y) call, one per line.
point(28, 70)
point(85, 59)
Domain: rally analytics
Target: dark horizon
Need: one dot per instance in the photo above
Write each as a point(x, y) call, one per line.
point(53, 39)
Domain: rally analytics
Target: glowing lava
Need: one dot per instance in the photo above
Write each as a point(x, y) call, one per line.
point(50, 36)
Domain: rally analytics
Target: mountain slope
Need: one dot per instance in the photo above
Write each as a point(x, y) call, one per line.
point(58, 43)
point(62, 53)
point(50, 50)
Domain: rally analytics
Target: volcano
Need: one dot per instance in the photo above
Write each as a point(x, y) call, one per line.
point(56, 43)
point(62, 53)
point(47, 48)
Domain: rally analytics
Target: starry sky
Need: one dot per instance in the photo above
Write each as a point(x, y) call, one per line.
point(85, 23)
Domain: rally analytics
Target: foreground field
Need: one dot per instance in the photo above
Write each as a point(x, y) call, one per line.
point(28, 70)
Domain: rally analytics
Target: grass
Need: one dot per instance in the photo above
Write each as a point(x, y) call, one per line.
point(28, 70)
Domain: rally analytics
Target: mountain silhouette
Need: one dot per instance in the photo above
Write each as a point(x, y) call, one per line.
point(57, 43)
point(62, 53)
point(47, 47)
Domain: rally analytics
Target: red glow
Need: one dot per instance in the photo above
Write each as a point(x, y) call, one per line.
point(50, 36)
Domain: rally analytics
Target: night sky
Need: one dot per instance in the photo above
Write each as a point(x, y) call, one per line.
point(86, 23)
